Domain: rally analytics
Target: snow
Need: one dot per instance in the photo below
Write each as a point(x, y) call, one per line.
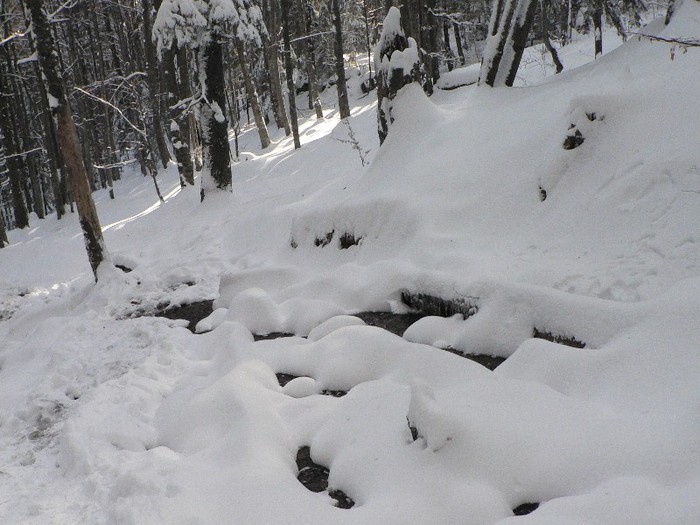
point(111, 417)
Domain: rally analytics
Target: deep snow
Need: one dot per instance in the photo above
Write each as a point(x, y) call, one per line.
point(110, 418)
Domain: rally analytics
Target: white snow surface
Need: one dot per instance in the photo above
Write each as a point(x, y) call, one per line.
point(111, 418)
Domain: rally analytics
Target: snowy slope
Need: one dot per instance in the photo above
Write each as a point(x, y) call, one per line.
point(110, 418)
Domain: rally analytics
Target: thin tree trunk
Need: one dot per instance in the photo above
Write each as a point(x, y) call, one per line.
point(67, 135)
point(545, 38)
point(598, 31)
point(152, 79)
point(343, 104)
point(252, 94)
point(308, 49)
point(271, 12)
point(448, 48)
point(290, 71)
point(4, 241)
point(458, 41)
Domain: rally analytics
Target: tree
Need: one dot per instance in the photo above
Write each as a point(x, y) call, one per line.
point(205, 26)
point(509, 27)
point(67, 136)
point(289, 70)
point(343, 104)
point(397, 63)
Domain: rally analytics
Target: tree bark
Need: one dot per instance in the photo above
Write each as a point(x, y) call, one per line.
point(252, 94)
point(68, 138)
point(343, 104)
point(290, 72)
point(154, 119)
point(179, 128)
point(598, 31)
point(216, 173)
point(270, 43)
point(12, 152)
point(4, 241)
point(308, 47)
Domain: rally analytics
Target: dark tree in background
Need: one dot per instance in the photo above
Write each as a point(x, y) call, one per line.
point(343, 104)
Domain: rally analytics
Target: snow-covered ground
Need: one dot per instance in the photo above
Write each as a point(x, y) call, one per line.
point(110, 418)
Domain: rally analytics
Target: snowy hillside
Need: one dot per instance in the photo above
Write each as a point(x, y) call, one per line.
point(567, 209)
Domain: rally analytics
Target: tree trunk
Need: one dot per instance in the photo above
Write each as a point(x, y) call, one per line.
point(598, 31)
point(343, 104)
point(154, 120)
point(307, 45)
point(502, 14)
point(517, 41)
point(271, 21)
point(290, 72)
point(458, 41)
point(252, 94)
point(68, 138)
point(448, 48)
point(216, 173)
point(545, 38)
point(179, 129)
point(11, 151)
point(4, 241)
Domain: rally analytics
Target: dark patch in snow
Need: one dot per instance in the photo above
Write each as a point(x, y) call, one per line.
point(312, 475)
point(315, 478)
point(368, 85)
point(293, 243)
point(525, 508)
point(348, 239)
point(334, 393)
point(271, 335)
point(283, 378)
point(394, 323)
point(192, 312)
point(123, 268)
point(414, 431)
point(430, 305)
point(573, 139)
point(559, 339)
point(489, 361)
point(320, 242)
point(543, 194)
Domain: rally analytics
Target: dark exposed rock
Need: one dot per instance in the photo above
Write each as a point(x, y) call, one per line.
point(342, 499)
point(320, 242)
point(394, 323)
point(334, 393)
point(489, 361)
point(271, 335)
point(283, 378)
point(123, 268)
point(192, 312)
point(573, 140)
point(525, 508)
point(348, 239)
point(556, 338)
point(315, 478)
point(431, 305)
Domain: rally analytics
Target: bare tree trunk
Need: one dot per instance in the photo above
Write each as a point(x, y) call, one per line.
point(152, 78)
point(252, 94)
point(11, 152)
point(290, 71)
point(67, 135)
point(307, 45)
point(271, 48)
point(343, 104)
point(598, 31)
point(4, 241)
point(545, 38)
point(179, 128)
point(448, 48)
point(458, 41)
point(216, 173)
